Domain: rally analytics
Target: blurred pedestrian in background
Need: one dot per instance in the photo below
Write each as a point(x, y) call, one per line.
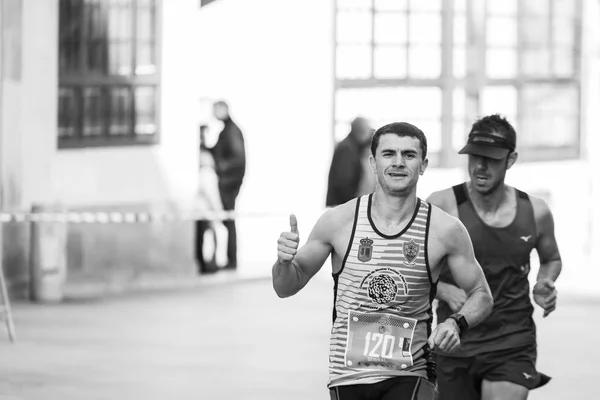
point(230, 161)
point(350, 174)
point(208, 202)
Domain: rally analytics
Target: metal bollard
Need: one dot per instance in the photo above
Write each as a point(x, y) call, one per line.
point(48, 261)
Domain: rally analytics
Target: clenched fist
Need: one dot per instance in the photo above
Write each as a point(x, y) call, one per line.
point(445, 337)
point(287, 244)
point(544, 294)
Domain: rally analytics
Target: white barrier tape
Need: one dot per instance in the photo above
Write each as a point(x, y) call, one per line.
point(125, 217)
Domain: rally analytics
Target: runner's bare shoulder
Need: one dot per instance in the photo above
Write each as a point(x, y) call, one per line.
point(541, 209)
point(445, 228)
point(544, 219)
point(336, 219)
point(445, 200)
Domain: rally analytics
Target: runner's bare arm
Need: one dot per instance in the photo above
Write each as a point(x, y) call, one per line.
point(295, 267)
point(467, 272)
point(451, 294)
point(544, 291)
point(546, 245)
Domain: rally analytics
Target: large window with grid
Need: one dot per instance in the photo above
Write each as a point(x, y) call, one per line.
point(532, 70)
point(108, 72)
point(442, 63)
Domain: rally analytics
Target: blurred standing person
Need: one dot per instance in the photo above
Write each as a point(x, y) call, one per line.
point(230, 160)
point(208, 201)
point(368, 179)
point(350, 171)
point(497, 359)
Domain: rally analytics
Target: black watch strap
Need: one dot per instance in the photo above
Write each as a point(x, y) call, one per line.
point(461, 322)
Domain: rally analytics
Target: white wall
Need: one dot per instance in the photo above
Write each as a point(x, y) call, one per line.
point(272, 61)
point(276, 75)
point(590, 121)
point(39, 98)
point(163, 172)
point(11, 38)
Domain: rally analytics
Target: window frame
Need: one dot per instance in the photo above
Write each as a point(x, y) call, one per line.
point(521, 80)
point(83, 79)
point(473, 81)
point(445, 82)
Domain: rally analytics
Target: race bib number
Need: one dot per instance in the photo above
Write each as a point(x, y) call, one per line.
point(379, 340)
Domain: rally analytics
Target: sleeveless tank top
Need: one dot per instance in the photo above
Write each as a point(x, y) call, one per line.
point(383, 297)
point(503, 254)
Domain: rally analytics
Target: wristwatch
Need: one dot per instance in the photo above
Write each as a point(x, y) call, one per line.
point(461, 322)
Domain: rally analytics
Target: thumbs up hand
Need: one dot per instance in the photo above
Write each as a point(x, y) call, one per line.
point(287, 244)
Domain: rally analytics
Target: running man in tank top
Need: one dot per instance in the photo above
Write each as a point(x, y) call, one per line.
point(497, 359)
point(387, 250)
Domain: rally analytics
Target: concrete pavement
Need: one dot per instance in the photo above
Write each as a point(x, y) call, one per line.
point(234, 339)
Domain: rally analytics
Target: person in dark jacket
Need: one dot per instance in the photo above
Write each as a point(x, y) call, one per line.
point(230, 160)
point(346, 171)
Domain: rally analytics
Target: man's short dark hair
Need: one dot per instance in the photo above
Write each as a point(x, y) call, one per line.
point(401, 129)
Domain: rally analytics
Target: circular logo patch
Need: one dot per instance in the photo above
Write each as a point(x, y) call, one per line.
point(382, 289)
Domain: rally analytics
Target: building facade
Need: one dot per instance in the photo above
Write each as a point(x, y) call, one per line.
point(100, 102)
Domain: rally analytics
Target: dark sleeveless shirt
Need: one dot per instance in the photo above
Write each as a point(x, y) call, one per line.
point(503, 254)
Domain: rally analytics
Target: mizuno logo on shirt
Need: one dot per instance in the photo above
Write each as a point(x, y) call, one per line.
point(526, 238)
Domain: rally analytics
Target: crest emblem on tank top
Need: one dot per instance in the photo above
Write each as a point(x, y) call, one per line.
point(365, 250)
point(410, 250)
